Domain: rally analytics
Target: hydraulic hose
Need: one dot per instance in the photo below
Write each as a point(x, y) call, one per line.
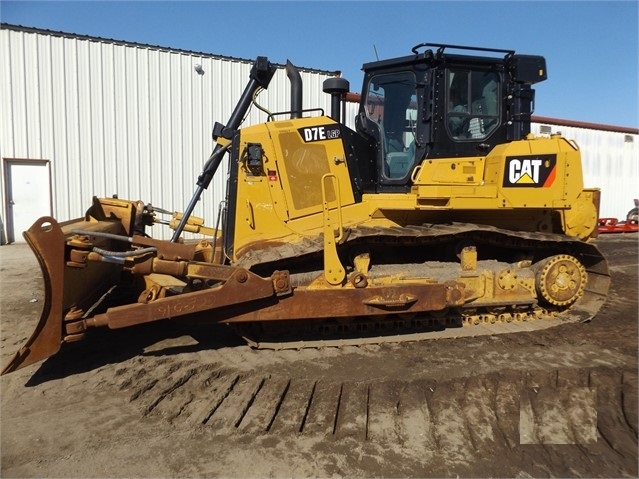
point(124, 254)
point(102, 235)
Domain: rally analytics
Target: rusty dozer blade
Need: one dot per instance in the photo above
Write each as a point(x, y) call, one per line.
point(83, 290)
point(70, 288)
point(46, 239)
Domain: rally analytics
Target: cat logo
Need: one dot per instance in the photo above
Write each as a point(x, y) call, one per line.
point(534, 171)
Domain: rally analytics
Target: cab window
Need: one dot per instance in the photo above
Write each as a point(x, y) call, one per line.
point(472, 103)
point(391, 104)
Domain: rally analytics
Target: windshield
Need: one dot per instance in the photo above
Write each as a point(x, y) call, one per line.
point(391, 103)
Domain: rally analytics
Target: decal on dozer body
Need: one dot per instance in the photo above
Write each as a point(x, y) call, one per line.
point(532, 171)
point(320, 133)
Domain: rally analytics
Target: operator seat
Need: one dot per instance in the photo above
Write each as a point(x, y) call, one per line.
point(485, 106)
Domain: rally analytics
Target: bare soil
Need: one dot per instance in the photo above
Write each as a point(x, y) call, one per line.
point(182, 400)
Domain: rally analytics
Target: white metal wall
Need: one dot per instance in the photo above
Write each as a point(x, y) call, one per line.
point(121, 119)
point(610, 162)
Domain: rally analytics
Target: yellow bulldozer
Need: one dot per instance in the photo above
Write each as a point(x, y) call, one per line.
point(439, 215)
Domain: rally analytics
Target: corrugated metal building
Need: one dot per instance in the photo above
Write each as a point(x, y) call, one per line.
point(83, 116)
point(610, 158)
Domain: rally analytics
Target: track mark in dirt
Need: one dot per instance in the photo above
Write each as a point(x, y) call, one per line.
point(449, 425)
point(416, 429)
point(558, 416)
point(506, 405)
point(351, 416)
point(322, 411)
point(171, 398)
point(292, 412)
point(630, 399)
point(234, 406)
point(478, 413)
point(611, 420)
point(383, 409)
point(587, 410)
point(212, 397)
point(262, 411)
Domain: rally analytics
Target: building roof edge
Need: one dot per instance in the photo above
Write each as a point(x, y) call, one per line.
point(80, 36)
point(584, 124)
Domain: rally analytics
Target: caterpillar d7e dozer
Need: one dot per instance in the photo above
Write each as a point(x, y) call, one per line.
point(440, 215)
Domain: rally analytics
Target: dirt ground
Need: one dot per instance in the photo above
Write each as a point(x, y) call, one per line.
point(175, 400)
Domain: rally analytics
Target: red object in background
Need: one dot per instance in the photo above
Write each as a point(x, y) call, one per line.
point(613, 225)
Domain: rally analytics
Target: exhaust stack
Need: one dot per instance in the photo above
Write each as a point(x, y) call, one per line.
point(296, 89)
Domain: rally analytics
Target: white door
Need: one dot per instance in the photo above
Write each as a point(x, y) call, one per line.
point(28, 195)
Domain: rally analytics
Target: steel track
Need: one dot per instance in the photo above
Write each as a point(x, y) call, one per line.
point(467, 322)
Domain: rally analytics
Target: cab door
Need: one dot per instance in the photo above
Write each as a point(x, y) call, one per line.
point(390, 107)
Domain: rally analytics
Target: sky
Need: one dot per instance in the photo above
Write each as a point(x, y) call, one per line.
point(591, 47)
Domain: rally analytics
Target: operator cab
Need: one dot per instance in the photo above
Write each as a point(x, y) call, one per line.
point(442, 105)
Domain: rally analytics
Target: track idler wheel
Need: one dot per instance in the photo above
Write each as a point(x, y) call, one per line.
point(560, 279)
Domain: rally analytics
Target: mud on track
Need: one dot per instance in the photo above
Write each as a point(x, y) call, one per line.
point(186, 400)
